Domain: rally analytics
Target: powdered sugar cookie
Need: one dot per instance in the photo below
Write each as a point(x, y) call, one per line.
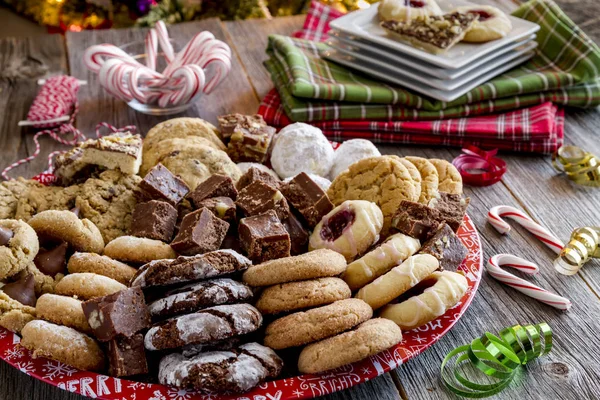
point(301, 148)
point(350, 152)
point(349, 229)
point(493, 24)
point(62, 310)
point(405, 10)
point(448, 289)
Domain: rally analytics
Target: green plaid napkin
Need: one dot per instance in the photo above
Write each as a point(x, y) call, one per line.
point(565, 70)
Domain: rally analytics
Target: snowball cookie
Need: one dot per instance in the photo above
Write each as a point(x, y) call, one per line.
point(350, 152)
point(323, 183)
point(301, 148)
point(245, 166)
point(492, 24)
point(405, 10)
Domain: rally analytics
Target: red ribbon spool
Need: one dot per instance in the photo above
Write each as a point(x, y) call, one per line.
point(479, 167)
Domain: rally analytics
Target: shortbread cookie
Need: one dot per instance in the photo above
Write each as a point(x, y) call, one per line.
point(138, 250)
point(301, 148)
point(304, 294)
point(381, 180)
point(349, 229)
point(368, 339)
point(87, 286)
point(101, 265)
point(18, 246)
point(379, 261)
point(316, 324)
point(64, 344)
point(204, 326)
point(80, 234)
point(314, 264)
point(429, 178)
point(448, 289)
point(200, 295)
point(38, 198)
point(62, 310)
point(350, 152)
point(449, 177)
point(166, 146)
point(234, 370)
point(405, 10)
point(108, 201)
point(400, 279)
point(196, 163)
point(492, 24)
point(190, 269)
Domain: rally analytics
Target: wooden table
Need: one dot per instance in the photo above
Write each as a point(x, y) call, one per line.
point(569, 372)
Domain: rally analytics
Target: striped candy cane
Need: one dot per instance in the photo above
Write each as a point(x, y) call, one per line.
point(151, 44)
point(548, 238)
point(523, 286)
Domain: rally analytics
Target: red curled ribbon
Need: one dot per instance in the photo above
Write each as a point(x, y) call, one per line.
point(479, 167)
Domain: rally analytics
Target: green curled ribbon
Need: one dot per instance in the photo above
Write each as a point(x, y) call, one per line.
point(497, 357)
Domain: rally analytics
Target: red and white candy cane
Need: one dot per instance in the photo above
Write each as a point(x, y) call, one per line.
point(496, 214)
point(95, 56)
point(151, 45)
point(523, 286)
point(163, 38)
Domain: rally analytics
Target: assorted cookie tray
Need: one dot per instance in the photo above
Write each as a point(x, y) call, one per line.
point(453, 37)
point(183, 266)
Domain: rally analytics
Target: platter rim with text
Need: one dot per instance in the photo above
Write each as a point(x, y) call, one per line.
point(299, 387)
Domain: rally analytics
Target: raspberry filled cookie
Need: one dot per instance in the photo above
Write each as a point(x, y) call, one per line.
point(493, 24)
point(447, 289)
point(349, 229)
point(405, 10)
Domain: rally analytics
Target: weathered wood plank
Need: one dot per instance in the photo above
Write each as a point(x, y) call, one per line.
point(22, 62)
point(15, 385)
point(235, 93)
point(250, 40)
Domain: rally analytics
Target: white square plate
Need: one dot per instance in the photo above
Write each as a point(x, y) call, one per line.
point(438, 83)
point(388, 75)
point(373, 51)
point(364, 24)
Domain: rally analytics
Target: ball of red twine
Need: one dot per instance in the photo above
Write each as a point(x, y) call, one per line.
point(479, 167)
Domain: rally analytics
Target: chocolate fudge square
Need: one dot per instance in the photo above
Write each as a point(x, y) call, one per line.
point(127, 356)
point(160, 184)
point(258, 197)
point(229, 122)
point(250, 144)
point(308, 198)
point(200, 232)
point(123, 313)
point(451, 208)
point(415, 220)
point(298, 234)
point(215, 186)
point(254, 174)
point(263, 237)
point(154, 220)
point(222, 207)
point(446, 247)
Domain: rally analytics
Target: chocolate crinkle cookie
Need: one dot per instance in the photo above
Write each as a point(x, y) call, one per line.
point(232, 371)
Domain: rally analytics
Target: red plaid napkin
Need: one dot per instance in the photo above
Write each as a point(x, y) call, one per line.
point(538, 129)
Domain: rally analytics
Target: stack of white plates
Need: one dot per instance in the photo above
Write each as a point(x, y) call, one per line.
point(358, 42)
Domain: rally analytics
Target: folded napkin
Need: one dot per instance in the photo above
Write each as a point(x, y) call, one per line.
point(564, 71)
point(538, 129)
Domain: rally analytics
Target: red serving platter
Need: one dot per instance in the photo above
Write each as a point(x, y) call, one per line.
point(299, 387)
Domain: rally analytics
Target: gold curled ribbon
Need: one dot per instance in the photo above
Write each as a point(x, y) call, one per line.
point(583, 245)
point(580, 166)
point(497, 357)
